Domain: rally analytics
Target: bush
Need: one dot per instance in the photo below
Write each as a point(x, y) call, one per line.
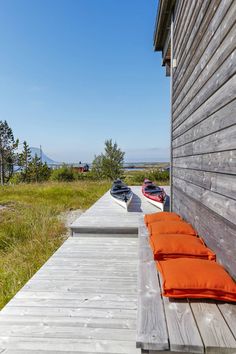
point(15, 179)
point(157, 176)
point(64, 174)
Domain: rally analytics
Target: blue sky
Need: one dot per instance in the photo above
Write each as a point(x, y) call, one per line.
point(74, 73)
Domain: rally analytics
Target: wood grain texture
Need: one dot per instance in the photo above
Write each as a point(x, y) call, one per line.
point(219, 141)
point(221, 205)
point(205, 91)
point(77, 322)
point(191, 10)
point(209, 20)
point(218, 233)
point(182, 327)
point(151, 324)
point(220, 162)
point(65, 344)
point(215, 332)
point(212, 58)
point(106, 216)
point(209, 125)
point(223, 184)
point(178, 13)
point(218, 100)
point(79, 301)
point(229, 313)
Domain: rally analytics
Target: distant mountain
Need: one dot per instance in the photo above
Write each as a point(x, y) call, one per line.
point(45, 158)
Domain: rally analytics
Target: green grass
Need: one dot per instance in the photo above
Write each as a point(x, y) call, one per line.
point(30, 230)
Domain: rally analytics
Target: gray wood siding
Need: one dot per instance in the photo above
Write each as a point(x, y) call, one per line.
point(204, 122)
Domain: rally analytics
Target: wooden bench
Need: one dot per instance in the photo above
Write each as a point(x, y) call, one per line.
point(178, 326)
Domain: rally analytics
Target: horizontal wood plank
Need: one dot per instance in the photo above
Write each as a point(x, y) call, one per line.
point(219, 99)
point(219, 204)
point(216, 182)
point(77, 322)
point(73, 345)
point(54, 331)
point(209, 20)
point(191, 11)
point(205, 91)
point(220, 141)
point(221, 239)
point(220, 162)
point(209, 125)
point(211, 60)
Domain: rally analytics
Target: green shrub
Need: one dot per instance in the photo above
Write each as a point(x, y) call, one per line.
point(157, 176)
point(64, 174)
point(15, 179)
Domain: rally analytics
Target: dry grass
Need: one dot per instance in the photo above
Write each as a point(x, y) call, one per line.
point(30, 230)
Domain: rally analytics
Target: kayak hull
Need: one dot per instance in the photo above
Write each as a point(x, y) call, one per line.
point(154, 194)
point(155, 202)
point(121, 193)
point(123, 203)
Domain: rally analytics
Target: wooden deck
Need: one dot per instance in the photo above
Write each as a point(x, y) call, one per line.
point(179, 325)
point(84, 299)
point(106, 216)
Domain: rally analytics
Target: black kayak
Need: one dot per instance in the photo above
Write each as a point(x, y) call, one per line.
point(121, 193)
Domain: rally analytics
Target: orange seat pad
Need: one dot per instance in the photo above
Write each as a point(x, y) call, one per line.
point(171, 227)
point(196, 278)
point(161, 216)
point(174, 246)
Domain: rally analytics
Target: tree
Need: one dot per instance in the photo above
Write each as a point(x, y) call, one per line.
point(37, 171)
point(24, 159)
point(8, 145)
point(110, 163)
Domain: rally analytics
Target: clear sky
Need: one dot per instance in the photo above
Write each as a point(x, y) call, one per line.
point(74, 73)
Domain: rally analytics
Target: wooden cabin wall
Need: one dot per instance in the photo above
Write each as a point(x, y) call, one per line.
point(204, 122)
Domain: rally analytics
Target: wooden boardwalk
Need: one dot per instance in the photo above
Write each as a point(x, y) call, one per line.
point(84, 299)
point(106, 216)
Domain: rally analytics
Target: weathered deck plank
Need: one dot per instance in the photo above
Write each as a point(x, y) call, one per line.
point(152, 333)
point(106, 216)
point(88, 307)
point(192, 326)
point(84, 298)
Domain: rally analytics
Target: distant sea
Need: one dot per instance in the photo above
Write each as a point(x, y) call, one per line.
point(137, 166)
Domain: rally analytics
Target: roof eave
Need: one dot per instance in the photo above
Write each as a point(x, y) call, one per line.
point(162, 25)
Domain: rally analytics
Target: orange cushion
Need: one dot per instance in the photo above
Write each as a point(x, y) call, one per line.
point(175, 246)
point(162, 216)
point(171, 227)
point(196, 278)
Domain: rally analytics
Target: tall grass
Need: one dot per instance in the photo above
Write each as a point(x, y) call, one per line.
point(30, 230)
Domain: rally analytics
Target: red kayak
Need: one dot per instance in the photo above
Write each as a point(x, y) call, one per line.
point(154, 194)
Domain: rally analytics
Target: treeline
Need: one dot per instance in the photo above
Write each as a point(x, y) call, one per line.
point(19, 167)
point(22, 167)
